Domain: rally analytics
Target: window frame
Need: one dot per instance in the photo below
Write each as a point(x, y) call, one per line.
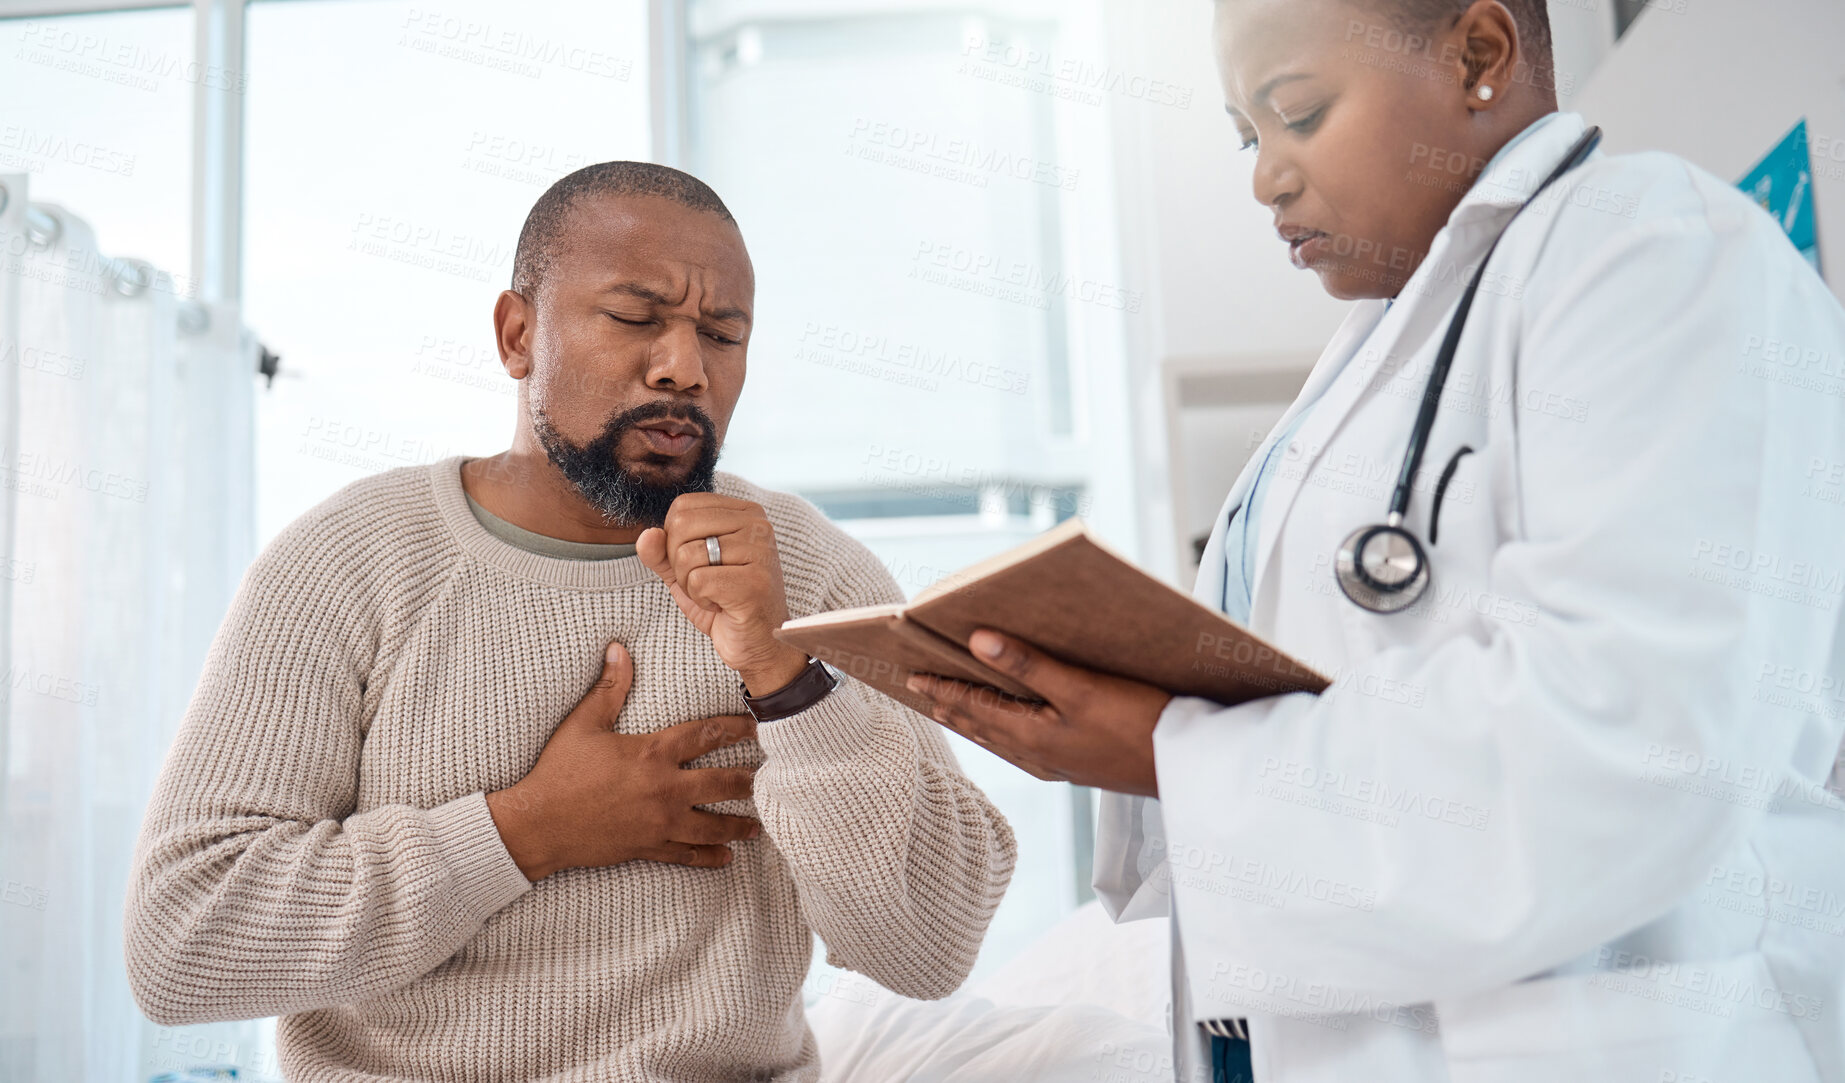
point(219, 40)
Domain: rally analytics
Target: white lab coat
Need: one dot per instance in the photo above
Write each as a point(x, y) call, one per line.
point(1564, 821)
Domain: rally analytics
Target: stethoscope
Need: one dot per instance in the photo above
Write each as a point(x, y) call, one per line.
point(1383, 568)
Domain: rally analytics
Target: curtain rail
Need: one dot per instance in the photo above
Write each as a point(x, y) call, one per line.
point(130, 277)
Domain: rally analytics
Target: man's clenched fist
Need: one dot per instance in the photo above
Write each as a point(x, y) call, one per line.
point(740, 603)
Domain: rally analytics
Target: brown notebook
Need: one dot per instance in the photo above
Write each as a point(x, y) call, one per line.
point(1079, 601)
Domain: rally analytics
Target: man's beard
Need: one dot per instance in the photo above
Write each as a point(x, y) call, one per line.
point(623, 497)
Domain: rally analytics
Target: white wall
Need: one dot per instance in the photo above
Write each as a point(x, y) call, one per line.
point(1222, 296)
point(1224, 281)
point(1581, 35)
point(1721, 82)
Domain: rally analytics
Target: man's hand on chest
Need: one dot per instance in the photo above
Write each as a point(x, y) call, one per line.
point(597, 797)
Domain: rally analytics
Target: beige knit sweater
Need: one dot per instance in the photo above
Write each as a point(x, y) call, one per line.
point(318, 846)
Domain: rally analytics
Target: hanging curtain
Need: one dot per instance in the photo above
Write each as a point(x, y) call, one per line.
point(127, 463)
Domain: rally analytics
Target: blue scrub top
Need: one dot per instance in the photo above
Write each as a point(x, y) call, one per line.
point(1245, 521)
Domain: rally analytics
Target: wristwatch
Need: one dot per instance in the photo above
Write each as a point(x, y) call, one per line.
point(812, 686)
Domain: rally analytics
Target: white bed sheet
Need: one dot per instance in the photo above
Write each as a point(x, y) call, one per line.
point(1088, 1001)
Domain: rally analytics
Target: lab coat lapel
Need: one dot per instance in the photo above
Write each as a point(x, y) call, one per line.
point(1208, 588)
point(1333, 389)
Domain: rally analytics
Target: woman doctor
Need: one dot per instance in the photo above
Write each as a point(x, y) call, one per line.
point(1561, 816)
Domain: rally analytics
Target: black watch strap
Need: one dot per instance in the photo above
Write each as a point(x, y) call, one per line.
point(812, 686)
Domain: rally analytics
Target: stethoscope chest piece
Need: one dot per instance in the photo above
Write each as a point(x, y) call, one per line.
point(1382, 568)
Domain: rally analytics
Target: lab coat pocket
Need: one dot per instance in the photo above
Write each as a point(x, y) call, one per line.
point(1722, 1020)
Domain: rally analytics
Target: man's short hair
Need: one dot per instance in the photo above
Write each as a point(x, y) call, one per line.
point(544, 227)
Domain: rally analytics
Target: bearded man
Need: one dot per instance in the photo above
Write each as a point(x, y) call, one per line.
point(496, 770)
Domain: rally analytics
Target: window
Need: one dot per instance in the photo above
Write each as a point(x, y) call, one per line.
point(939, 361)
point(393, 152)
point(935, 330)
point(99, 116)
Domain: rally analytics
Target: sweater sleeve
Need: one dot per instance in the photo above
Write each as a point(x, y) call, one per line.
point(899, 860)
point(256, 888)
